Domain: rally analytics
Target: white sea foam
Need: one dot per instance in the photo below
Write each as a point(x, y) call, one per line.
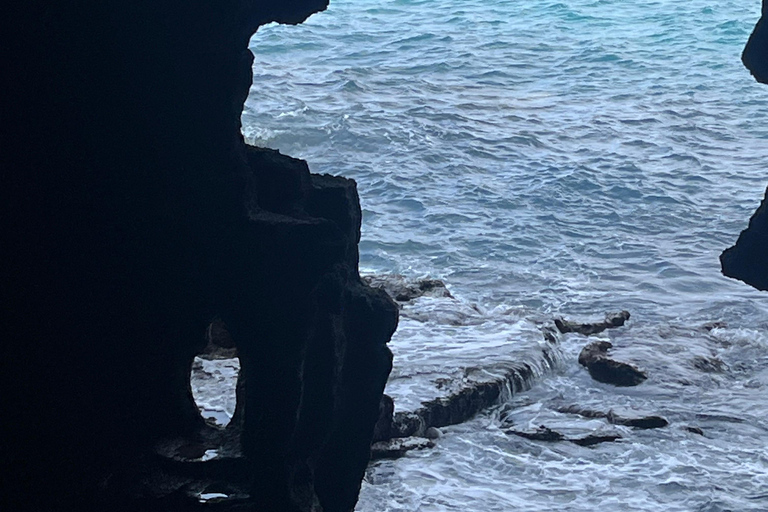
point(213, 388)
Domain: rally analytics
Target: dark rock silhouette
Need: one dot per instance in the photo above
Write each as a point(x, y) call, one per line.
point(755, 55)
point(594, 357)
point(132, 214)
point(748, 260)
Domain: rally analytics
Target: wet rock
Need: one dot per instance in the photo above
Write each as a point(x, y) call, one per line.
point(550, 335)
point(542, 433)
point(398, 447)
point(602, 368)
point(479, 389)
point(407, 424)
point(694, 430)
point(643, 422)
point(402, 289)
point(614, 372)
point(594, 439)
point(709, 364)
point(714, 325)
point(594, 350)
point(612, 320)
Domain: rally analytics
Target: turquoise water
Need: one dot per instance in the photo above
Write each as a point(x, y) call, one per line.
point(550, 158)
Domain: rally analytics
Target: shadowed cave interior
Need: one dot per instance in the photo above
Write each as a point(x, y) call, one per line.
point(133, 215)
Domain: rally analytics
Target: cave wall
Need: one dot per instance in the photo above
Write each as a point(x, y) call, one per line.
point(747, 260)
point(131, 215)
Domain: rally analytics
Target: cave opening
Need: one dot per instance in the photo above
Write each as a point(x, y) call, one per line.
point(214, 376)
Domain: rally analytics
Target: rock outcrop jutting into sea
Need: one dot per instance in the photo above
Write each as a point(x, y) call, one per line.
point(133, 214)
point(748, 259)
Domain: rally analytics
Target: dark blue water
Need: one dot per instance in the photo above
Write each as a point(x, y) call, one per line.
point(549, 158)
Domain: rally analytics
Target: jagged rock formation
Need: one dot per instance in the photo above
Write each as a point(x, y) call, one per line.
point(132, 214)
point(748, 259)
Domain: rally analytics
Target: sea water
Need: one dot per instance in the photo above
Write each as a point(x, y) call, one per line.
point(549, 159)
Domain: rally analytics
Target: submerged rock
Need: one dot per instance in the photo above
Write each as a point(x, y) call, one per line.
point(602, 368)
point(643, 422)
point(611, 321)
point(594, 439)
point(544, 433)
point(709, 364)
point(711, 326)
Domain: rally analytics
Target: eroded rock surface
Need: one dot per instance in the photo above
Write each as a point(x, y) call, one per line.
point(132, 214)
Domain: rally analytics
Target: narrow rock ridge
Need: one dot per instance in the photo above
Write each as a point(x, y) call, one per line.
point(479, 390)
